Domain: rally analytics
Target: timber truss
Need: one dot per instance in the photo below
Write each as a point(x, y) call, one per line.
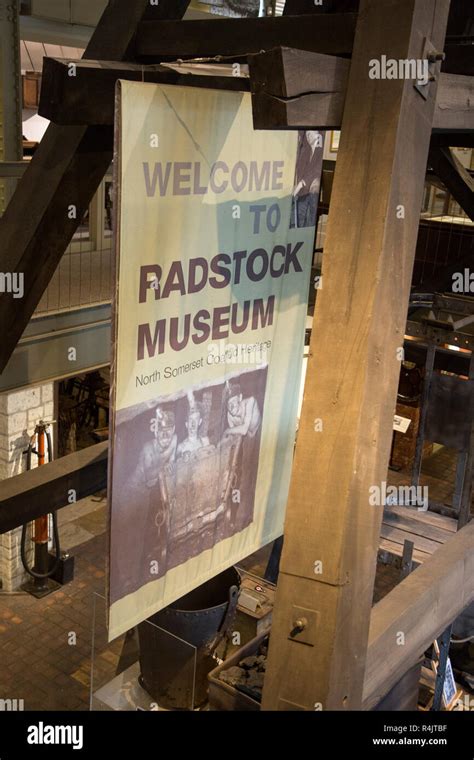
point(305, 72)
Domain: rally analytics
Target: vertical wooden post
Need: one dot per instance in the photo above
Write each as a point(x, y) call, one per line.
point(321, 619)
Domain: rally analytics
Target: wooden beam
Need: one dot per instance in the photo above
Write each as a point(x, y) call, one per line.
point(455, 103)
point(454, 176)
point(25, 497)
point(238, 37)
point(419, 608)
point(299, 89)
point(460, 20)
point(89, 96)
point(332, 531)
point(290, 88)
point(288, 72)
point(63, 175)
point(326, 32)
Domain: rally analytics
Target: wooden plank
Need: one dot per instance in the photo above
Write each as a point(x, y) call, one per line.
point(398, 536)
point(65, 172)
point(332, 532)
point(411, 524)
point(89, 96)
point(456, 178)
point(421, 607)
point(32, 494)
point(238, 37)
point(429, 518)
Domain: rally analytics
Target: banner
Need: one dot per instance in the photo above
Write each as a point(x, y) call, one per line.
point(214, 244)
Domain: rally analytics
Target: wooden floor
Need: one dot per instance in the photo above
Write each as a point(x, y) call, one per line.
point(427, 530)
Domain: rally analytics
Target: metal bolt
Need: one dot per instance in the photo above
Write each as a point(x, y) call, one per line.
point(300, 624)
point(433, 57)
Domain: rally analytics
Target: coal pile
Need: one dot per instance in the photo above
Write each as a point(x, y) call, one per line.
point(249, 674)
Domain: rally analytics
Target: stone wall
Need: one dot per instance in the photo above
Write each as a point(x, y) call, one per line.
point(19, 413)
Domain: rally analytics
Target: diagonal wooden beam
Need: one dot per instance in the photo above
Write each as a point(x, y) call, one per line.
point(59, 184)
point(454, 176)
point(323, 601)
point(420, 607)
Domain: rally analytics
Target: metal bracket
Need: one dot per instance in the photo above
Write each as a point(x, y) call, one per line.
point(433, 57)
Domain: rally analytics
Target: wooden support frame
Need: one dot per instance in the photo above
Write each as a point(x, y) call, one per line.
point(454, 176)
point(327, 569)
point(55, 191)
point(420, 608)
point(291, 89)
point(79, 144)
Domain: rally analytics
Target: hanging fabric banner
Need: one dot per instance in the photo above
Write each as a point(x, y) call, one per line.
point(214, 245)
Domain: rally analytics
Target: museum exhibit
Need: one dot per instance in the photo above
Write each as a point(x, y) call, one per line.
point(236, 371)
